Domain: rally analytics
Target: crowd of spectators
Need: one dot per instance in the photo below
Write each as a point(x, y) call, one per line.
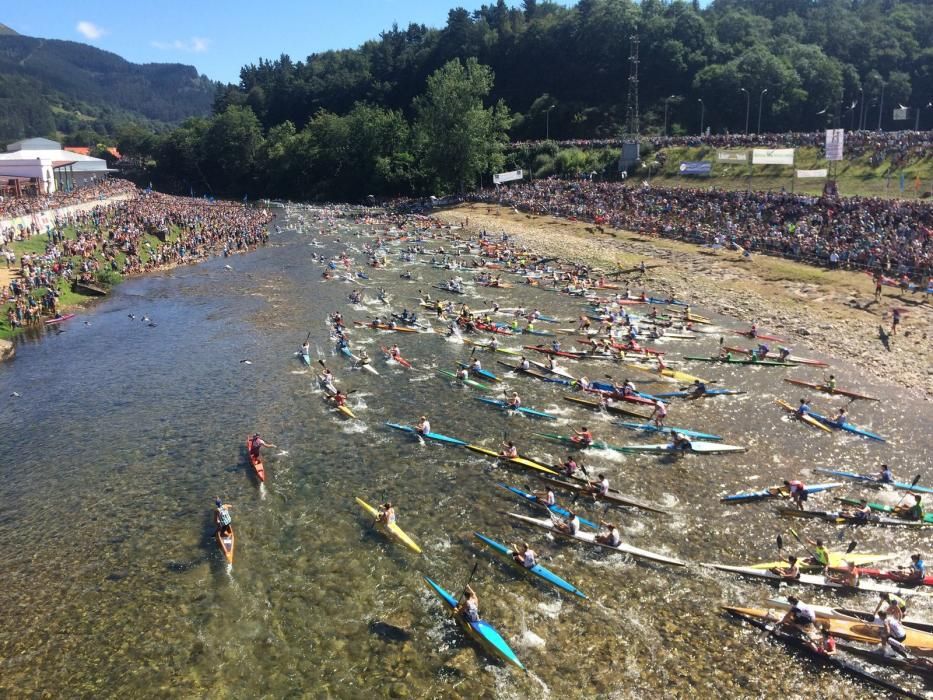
point(883, 235)
point(112, 237)
point(11, 206)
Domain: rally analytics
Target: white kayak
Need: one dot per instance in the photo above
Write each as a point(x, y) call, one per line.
point(696, 446)
point(818, 580)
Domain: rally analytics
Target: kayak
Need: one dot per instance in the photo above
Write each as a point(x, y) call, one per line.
point(650, 428)
point(896, 576)
point(431, 436)
point(58, 319)
point(613, 497)
point(521, 409)
point(677, 375)
point(760, 336)
point(835, 559)
point(556, 509)
point(226, 543)
point(869, 480)
point(589, 403)
point(590, 538)
point(481, 631)
point(736, 361)
point(537, 375)
point(305, 358)
point(452, 290)
point(697, 447)
point(790, 358)
point(917, 665)
point(484, 373)
point(834, 660)
point(385, 327)
point(520, 461)
point(804, 417)
point(392, 529)
point(575, 442)
point(368, 367)
point(708, 392)
point(255, 461)
point(825, 388)
point(882, 508)
point(488, 347)
point(841, 518)
point(612, 393)
point(345, 410)
point(538, 570)
point(556, 370)
point(777, 492)
point(578, 355)
point(605, 388)
point(848, 427)
point(469, 382)
point(813, 580)
point(836, 613)
point(398, 358)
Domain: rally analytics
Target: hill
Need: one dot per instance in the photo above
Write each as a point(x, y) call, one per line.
point(47, 85)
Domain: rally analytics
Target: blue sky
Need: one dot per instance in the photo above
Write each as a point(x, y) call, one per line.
point(219, 38)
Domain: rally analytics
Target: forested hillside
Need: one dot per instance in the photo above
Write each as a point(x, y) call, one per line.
point(48, 85)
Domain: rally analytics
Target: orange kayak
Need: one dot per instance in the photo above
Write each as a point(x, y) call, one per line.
point(226, 543)
point(255, 461)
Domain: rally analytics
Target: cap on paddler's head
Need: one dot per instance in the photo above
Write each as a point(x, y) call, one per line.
point(218, 502)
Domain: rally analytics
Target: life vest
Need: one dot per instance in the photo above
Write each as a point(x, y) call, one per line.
point(223, 517)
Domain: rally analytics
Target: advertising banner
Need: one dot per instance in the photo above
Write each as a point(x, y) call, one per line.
point(702, 167)
point(773, 156)
point(735, 156)
point(813, 173)
point(835, 139)
point(499, 178)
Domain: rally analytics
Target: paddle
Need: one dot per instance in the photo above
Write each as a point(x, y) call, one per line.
point(909, 492)
point(802, 544)
point(469, 581)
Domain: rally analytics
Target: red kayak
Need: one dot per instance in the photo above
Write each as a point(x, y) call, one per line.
point(255, 461)
point(896, 576)
point(58, 319)
point(398, 358)
point(557, 353)
point(776, 356)
point(760, 336)
point(501, 330)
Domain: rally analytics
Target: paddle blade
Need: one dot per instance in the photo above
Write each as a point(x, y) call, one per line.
point(780, 543)
point(852, 545)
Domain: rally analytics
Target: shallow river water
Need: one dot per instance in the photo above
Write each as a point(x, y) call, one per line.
point(123, 433)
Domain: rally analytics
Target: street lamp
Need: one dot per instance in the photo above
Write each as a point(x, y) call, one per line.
point(702, 110)
point(547, 123)
point(761, 98)
point(861, 98)
point(748, 104)
point(667, 101)
point(881, 106)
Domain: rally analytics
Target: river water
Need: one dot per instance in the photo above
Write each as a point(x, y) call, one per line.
point(124, 432)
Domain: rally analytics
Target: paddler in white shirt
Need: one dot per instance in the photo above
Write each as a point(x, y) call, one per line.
point(386, 514)
point(546, 498)
point(599, 488)
point(424, 426)
point(570, 525)
point(514, 401)
point(524, 364)
point(612, 536)
point(524, 555)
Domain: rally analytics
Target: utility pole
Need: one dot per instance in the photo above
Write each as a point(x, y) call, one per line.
point(632, 116)
point(748, 104)
point(881, 106)
point(761, 97)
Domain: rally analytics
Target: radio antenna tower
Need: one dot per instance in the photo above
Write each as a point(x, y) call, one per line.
point(631, 119)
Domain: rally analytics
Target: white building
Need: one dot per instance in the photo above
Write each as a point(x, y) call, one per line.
point(48, 167)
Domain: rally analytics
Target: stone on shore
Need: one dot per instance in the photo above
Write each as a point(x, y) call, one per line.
point(6, 350)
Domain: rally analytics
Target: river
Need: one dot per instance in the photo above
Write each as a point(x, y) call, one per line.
point(132, 417)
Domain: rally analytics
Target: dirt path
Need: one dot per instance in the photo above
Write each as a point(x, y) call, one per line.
point(831, 311)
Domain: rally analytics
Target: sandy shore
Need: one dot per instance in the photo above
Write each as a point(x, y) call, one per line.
point(826, 311)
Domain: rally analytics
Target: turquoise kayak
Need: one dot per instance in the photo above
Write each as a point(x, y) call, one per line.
point(484, 373)
point(848, 427)
point(649, 428)
point(432, 436)
point(537, 569)
point(305, 359)
point(556, 509)
point(521, 409)
point(870, 480)
point(481, 631)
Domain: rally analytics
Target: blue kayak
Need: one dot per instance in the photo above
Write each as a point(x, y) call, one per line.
point(553, 379)
point(346, 351)
point(537, 569)
point(484, 373)
point(521, 409)
point(432, 436)
point(871, 480)
point(649, 428)
point(709, 392)
point(556, 509)
point(776, 492)
point(603, 386)
point(481, 631)
point(848, 427)
point(305, 358)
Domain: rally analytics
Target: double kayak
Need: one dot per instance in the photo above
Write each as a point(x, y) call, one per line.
point(606, 388)
point(737, 361)
point(614, 497)
point(790, 358)
point(537, 570)
point(696, 447)
point(576, 442)
point(590, 538)
point(431, 436)
point(813, 580)
point(803, 417)
point(848, 427)
point(651, 428)
point(520, 461)
point(674, 374)
point(484, 373)
point(469, 382)
point(882, 508)
point(573, 355)
point(777, 492)
point(836, 559)
point(255, 461)
point(708, 392)
point(871, 480)
point(480, 630)
point(836, 613)
point(392, 529)
point(842, 518)
point(760, 336)
point(520, 409)
point(554, 379)
point(398, 358)
point(825, 388)
point(611, 408)
point(555, 509)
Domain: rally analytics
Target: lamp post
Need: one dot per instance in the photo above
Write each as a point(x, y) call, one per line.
point(881, 106)
point(667, 102)
point(761, 97)
point(702, 110)
point(748, 104)
point(861, 98)
point(547, 123)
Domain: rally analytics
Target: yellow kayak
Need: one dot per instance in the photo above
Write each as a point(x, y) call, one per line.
point(393, 529)
point(345, 410)
point(521, 461)
point(809, 420)
point(835, 559)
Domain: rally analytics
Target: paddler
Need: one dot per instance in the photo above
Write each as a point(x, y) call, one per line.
point(599, 488)
point(525, 556)
point(583, 436)
point(893, 605)
point(913, 511)
point(364, 359)
point(820, 553)
point(783, 353)
point(476, 365)
point(915, 571)
point(423, 427)
point(847, 574)
point(830, 385)
point(394, 352)
point(469, 606)
point(893, 633)
point(222, 517)
point(841, 416)
point(569, 466)
point(570, 525)
point(826, 644)
point(583, 383)
point(257, 443)
point(790, 572)
point(494, 343)
point(680, 444)
point(463, 373)
point(797, 492)
point(524, 364)
point(658, 414)
point(803, 409)
point(885, 476)
point(306, 349)
point(386, 514)
point(514, 401)
point(555, 345)
point(339, 398)
point(612, 536)
point(698, 389)
point(799, 616)
point(508, 450)
point(860, 512)
point(546, 498)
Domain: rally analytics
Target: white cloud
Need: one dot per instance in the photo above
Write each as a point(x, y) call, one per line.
point(89, 30)
point(195, 44)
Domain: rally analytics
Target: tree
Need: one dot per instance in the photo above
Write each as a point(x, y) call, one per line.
point(458, 138)
point(230, 148)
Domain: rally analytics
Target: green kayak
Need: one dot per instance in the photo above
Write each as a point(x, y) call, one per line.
point(576, 442)
point(469, 382)
point(882, 508)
